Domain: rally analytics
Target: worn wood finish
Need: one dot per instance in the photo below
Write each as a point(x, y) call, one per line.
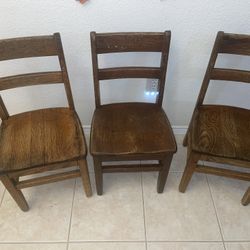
point(129, 42)
point(85, 176)
point(135, 128)
point(246, 198)
point(47, 179)
point(3, 111)
point(129, 72)
point(131, 131)
point(14, 192)
point(163, 173)
point(27, 47)
point(219, 133)
point(131, 168)
point(39, 138)
point(230, 75)
point(30, 79)
point(42, 140)
point(235, 44)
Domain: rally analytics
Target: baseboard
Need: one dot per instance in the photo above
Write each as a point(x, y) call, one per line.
point(178, 130)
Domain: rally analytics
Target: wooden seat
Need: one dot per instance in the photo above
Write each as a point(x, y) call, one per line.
point(219, 133)
point(41, 140)
point(57, 134)
point(131, 131)
point(222, 131)
point(129, 123)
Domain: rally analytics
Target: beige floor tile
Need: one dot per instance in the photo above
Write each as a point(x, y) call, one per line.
point(185, 246)
point(237, 245)
point(107, 246)
point(234, 217)
point(44, 246)
point(48, 218)
point(179, 159)
point(173, 216)
point(116, 215)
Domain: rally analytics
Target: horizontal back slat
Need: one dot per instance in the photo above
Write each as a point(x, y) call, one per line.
point(129, 72)
point(128, 42)
point(231, 75)
point(30, 79)
point(235, 44)
point(27, 47)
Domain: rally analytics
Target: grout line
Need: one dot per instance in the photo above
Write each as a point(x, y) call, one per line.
point(117, 241)
point(143, 205)
point(71, 215)
point(217, 217)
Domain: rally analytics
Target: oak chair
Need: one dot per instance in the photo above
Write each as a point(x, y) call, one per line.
point(246, 198)
point(40, 140)
point(131, 131)
point(220, 133)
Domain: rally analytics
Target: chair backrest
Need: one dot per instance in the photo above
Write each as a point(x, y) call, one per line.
point(225, 43)
point(102, 43)
point(37, 46)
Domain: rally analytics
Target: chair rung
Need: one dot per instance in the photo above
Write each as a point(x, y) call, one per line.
point(131, 168)
point(223, 172)
point(47, 179)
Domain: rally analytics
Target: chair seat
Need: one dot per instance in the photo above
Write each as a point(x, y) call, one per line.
point(131, 128)
point(39, 138)
point(222, 131)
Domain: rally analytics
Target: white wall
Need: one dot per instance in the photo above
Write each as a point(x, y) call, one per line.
point(194, 24)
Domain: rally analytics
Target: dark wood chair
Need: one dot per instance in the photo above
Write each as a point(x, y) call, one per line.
point(246, 198)
point(40, 140)
point(131, 131)
point(219, 133)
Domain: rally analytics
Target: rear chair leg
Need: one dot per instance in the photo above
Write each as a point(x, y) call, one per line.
point(16, 194)
point(189, 170)
point(85, 177)
point(98, 175)
point(163, 173)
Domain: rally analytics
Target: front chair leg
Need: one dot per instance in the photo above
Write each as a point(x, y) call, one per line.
point(98, 175)
point(189, 170)
point(163, 173)
point(16, 194)
point(85, 177)
point(246, 198)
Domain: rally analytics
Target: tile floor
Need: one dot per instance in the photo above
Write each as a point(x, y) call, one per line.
point(130, 214)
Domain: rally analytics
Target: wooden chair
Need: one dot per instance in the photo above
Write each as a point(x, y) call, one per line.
point(219, 133)
point(131, 131)
point(246, 198)
point(41, 140)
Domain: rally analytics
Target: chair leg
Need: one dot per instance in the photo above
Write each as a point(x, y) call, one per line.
point(98, 175)
point(16, 194)
point(85, 177)
point(246, 198)
point(189, 170)
point(185, 140)
point(163, 174)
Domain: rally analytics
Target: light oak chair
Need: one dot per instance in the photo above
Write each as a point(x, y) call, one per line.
point(219, 133)
point(131, 131)
point(41, 140)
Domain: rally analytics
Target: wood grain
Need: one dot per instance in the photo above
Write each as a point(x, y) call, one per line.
point(41, 140)
point(129, 72)
point(30, 79)
point(27, 47)
point(219, 133)
point(131, 131)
